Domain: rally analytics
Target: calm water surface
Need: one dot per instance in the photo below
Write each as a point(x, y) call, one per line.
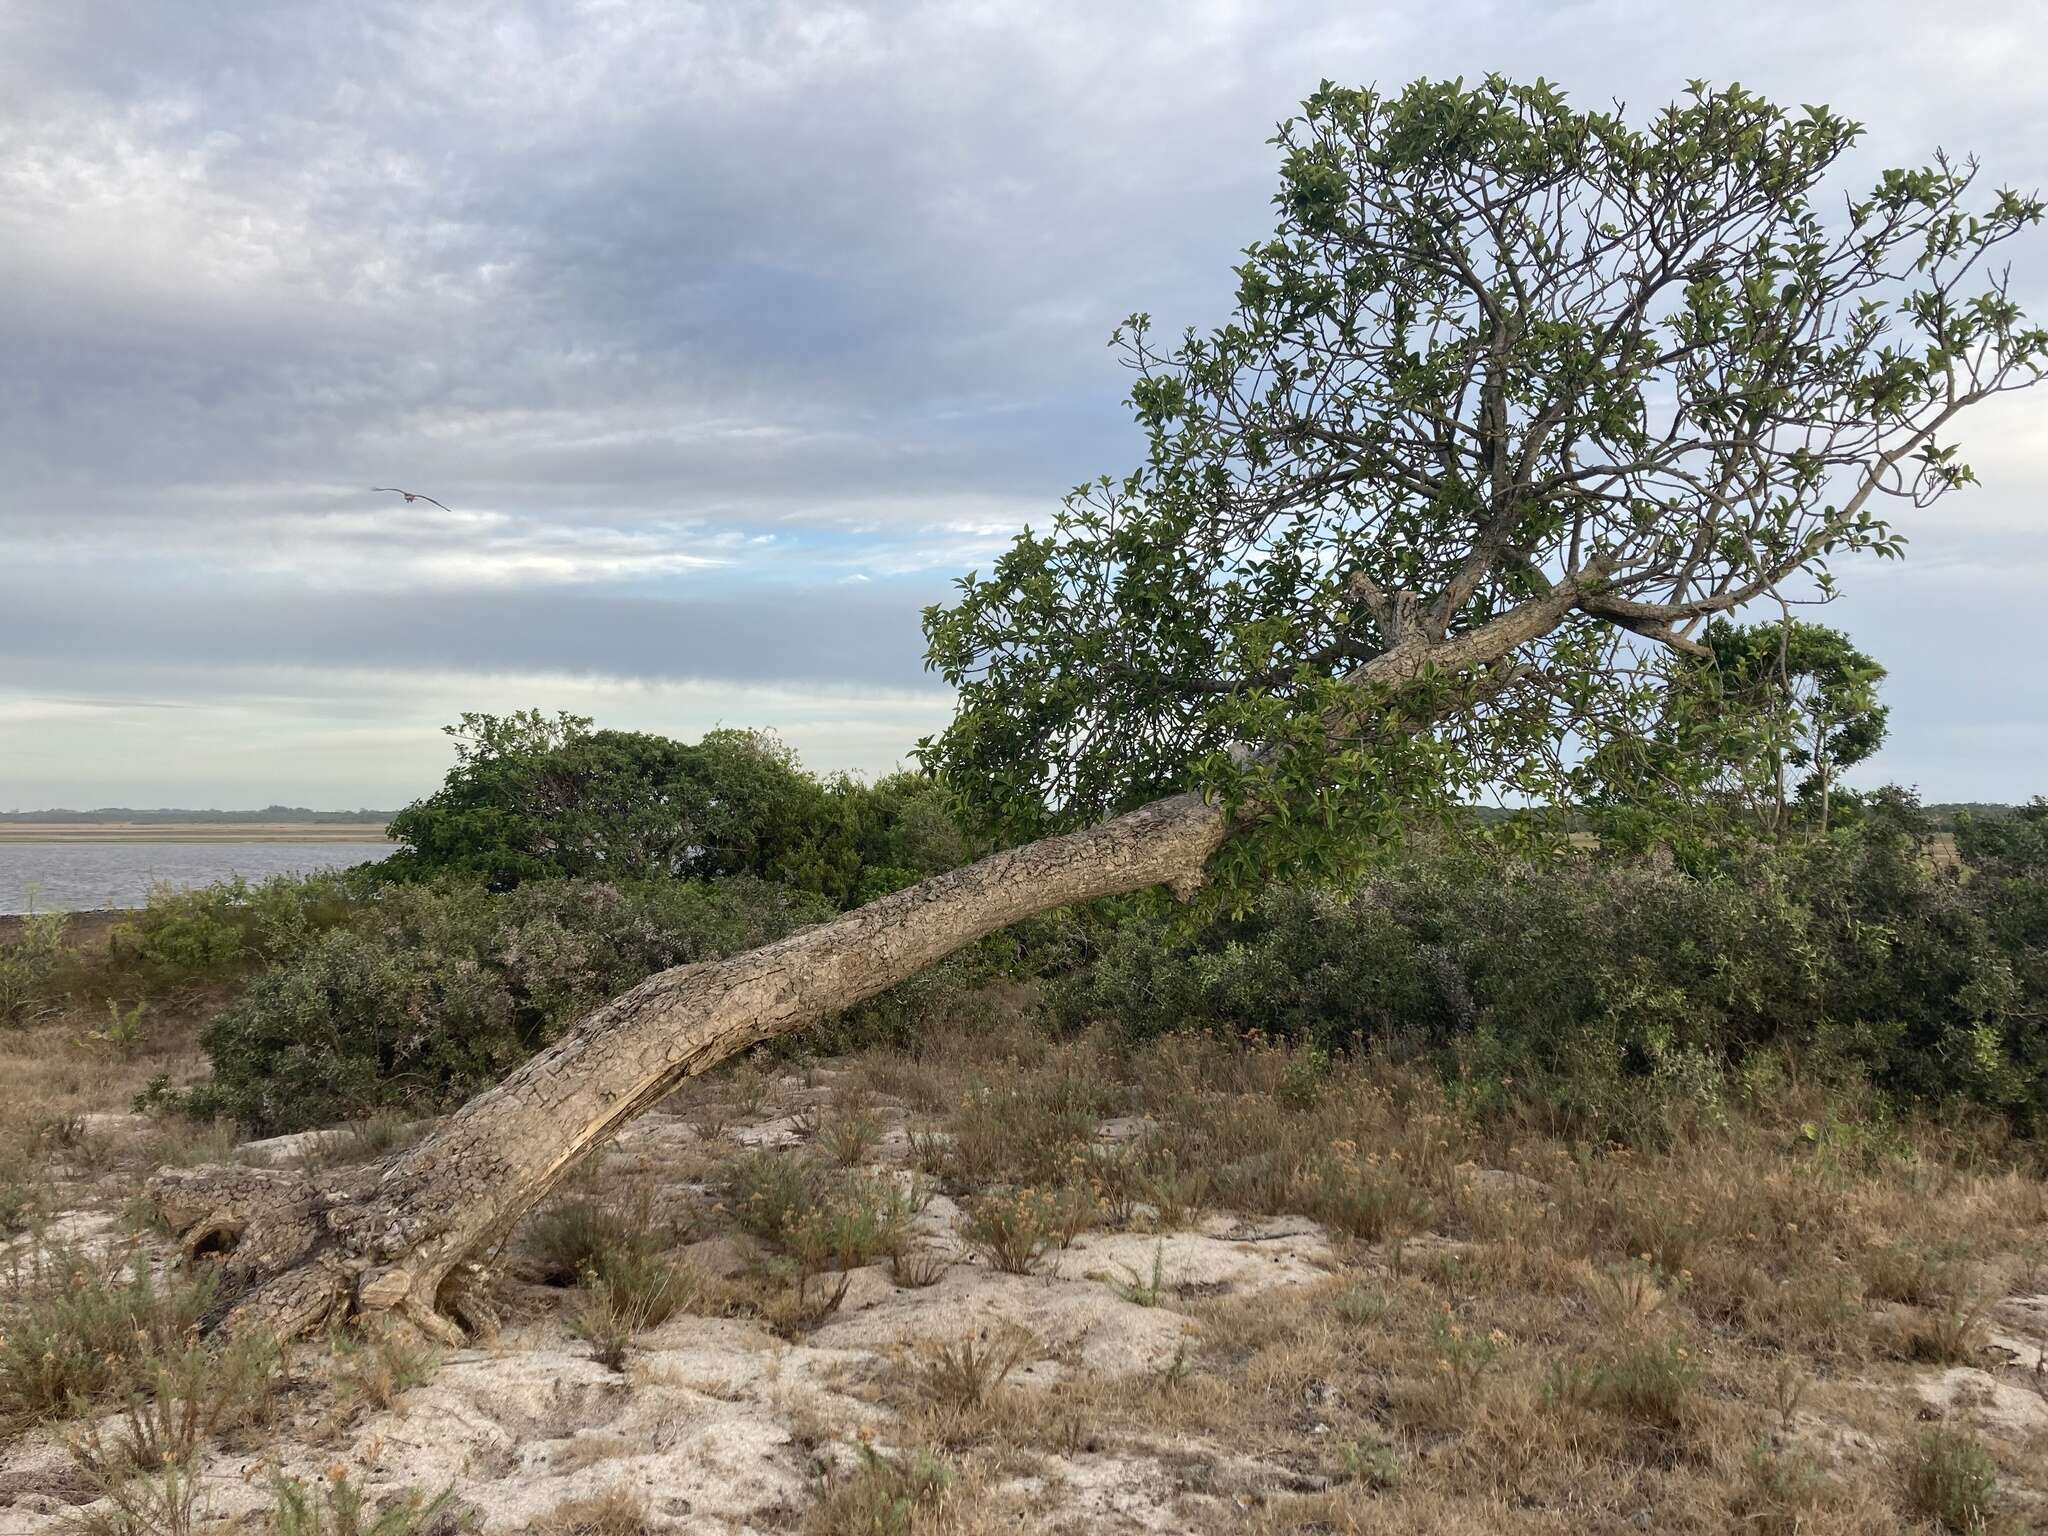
point(77, 877)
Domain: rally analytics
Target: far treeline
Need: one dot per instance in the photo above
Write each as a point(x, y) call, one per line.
point(124, 815)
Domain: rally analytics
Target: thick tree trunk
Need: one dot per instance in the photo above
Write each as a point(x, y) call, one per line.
point(400, 1242)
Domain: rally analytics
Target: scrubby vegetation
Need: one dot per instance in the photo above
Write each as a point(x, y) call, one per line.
point(1623, 998)
point(1745, 1329)
point(1617, 992)
point(432, 992)
point(1674, 1186)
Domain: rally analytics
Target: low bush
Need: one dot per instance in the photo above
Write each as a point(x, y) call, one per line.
point(222, 932)
point(820, 1218)
point(28, 965)
point(884, 1497)
point(1620, 996)
point(1648, 1383)
point(76, 1329)
point(1012, 1231)
point(1950, 1480)
point(339, 1506)
point(433, 992)
point(533, 798)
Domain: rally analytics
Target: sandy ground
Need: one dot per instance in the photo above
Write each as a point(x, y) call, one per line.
point(1217, 1373)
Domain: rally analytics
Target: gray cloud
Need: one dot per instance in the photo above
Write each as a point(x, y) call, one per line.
point(853, 636)
point(699, 315)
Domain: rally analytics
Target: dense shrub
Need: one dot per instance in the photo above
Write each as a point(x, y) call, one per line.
point(222, 931)
point(1612, 990)
point(531, 798)
point(1616, 992)
point(435, 991)
point(29, 957)
point(180, 942)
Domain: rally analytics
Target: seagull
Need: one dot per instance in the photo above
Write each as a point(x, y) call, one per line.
point(410, 496)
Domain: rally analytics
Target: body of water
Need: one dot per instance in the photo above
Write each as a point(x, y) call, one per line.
point(84, 876)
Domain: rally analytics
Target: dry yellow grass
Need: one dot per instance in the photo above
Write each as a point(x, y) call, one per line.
point(1745, 1331)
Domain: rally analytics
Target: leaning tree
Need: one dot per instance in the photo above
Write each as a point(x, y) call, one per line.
point(1514, 395)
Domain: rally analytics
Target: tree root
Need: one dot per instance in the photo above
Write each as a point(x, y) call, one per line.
point(290, 1258)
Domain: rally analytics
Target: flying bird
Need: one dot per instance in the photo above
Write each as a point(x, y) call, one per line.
point(410, 496)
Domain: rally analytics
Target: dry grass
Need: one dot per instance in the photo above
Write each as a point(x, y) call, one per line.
point(615, 1512)
point(913, 1494)
point(54, 1070)
point(1518, 1333)
point(1522, 1331)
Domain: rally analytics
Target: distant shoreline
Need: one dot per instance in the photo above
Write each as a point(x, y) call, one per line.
point(192, 832)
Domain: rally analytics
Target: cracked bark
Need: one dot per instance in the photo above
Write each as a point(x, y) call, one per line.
point(401, 1242)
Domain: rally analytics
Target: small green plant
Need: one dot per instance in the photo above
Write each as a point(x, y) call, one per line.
point(930, 1151)
point(1306, 1071)
point(371, 1138)
point(1950, 1479)
point(713, 1118)
point(1178, 1369)
point(1780, 1493)
point(140, 1465)
point(806, 1304)
point(862, 1219)
point(850, 1134)
point(376, 1369)
point(28, 962)
point(82, 1329)
point(1142, 1290)
point(914, 1268)
point(1371, 1462)
point(127, 1501)
point(1648, 1383)
point(807, 1121)
point(1012, 1231)
point(608, 1239)
point(635, 1293)
point(1176, 1193)
point(1949, 1334)
point(749, 1087)
point(881, 1497)
point(1113, 1176)
point(771, 1190)
point(1074, 1210)
point(1892, 1273)
point(22, 1196)
point(1360, 1307)
point(609, 1328)
point(123, 1031)
point(338, 1506)
point(1628, 1294)
point(821, 1219)
point(1788, 1391)
point(1462, 1357)
point(1360, 1198)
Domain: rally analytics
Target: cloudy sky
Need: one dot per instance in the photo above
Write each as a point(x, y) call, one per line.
point(731, 333)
